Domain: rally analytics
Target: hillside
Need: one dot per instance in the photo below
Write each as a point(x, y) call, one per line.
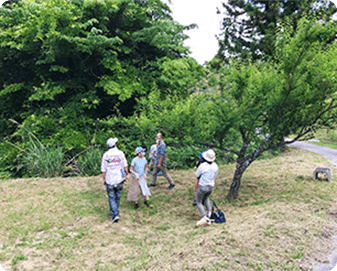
point(277, 222)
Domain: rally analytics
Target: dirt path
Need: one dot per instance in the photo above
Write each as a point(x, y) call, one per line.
point(321, 243)
point(327, 152)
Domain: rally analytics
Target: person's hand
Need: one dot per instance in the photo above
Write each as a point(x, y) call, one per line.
point(159, 165)
point(126, 177)
point(104, 182)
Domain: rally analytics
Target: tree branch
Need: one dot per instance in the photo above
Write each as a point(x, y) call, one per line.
point(220, 148)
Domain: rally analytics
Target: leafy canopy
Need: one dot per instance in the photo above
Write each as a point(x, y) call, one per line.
point(249, 27)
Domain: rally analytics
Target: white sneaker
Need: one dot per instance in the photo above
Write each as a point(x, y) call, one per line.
point(203, 221)
point(210, 221)
point(115, 219)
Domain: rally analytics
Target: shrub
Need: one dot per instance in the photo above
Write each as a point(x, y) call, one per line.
point(89, 163)
point(43, 161)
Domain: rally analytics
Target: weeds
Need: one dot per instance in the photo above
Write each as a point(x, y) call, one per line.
point(43, 161)
point(18, 258)
point(89, 163)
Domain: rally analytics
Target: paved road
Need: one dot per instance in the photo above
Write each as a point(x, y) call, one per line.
point(331, 154)
point(327, 152)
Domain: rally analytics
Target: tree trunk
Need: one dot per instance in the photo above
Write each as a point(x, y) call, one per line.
point(234, 189)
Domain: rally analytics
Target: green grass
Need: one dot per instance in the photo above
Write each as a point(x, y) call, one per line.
point(326, 137)
point(18, 258)
point(65, 224)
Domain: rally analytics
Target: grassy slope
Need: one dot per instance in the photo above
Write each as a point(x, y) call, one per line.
point(64, 224)
point(327, 138)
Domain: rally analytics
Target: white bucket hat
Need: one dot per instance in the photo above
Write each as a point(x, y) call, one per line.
point(111, 142)
point(209, 155)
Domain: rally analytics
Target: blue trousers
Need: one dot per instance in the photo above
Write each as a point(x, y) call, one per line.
point(114, 197)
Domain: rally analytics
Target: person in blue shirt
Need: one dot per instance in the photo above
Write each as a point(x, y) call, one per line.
point(138, 184)
point(152, 155)
point(160, 164)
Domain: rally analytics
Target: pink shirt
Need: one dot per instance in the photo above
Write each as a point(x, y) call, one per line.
point(112, 162)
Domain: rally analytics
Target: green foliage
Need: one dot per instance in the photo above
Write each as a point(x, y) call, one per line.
point(250, 26)
point(8, 154)
point(291, 96)
point(43, 161)
point(183, 157)
point(32, 157)
point(68, 67)
point(89, 163)
point(259, 104)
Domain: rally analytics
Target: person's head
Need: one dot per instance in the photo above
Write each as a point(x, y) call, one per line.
point(209, 156)
point(140, 151)
point(112, 142)
point(159, 138)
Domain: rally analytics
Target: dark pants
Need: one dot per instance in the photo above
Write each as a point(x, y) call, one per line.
point(114, 197)
point(163, 169)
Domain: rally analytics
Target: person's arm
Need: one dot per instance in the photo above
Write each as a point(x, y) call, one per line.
point(161, 153)
point(103, 169)
point(145, 171)
point(125, 166)
point(104, 174)
point(154, 153)
point(199, 172)
point(126, 173)
point(134, 173)
point(160, 160)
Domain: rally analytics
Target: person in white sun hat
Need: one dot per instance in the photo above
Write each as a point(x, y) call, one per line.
point(138, 172)
point(113, 161)
point(206, 174)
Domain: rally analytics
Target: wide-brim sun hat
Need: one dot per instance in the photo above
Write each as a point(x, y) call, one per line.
point(209, 155)
point(111, 142)
point(140, 149)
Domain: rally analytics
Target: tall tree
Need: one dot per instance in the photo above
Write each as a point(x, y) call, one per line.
point(260, 104)
point(249, 26)
point(65, 64)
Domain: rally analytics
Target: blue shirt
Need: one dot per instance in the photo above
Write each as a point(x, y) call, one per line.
point(153, 148)
point(139, 166)
point(161, 150)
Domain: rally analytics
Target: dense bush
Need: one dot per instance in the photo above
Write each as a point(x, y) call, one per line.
point(43, 161)
point(89, 163)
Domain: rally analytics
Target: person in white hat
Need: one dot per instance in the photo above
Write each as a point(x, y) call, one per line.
point(138, 172)
point(113, 161)
point(206, 174)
